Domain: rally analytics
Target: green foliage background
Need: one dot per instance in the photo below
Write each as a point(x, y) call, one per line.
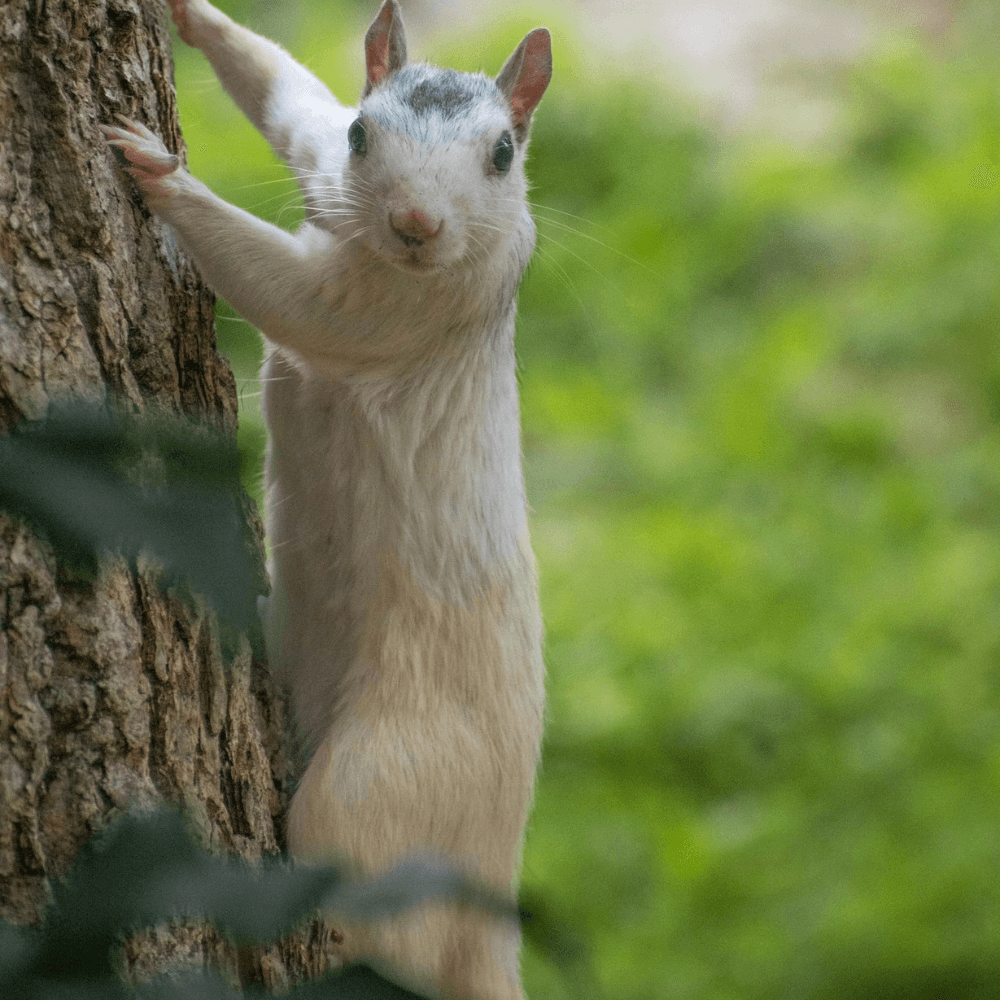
point(761, 397)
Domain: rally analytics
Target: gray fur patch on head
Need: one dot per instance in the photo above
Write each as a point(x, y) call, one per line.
point(445, 92)
point(423, 101)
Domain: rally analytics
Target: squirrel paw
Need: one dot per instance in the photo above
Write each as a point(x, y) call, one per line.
point(189, 15)
point(151, 160)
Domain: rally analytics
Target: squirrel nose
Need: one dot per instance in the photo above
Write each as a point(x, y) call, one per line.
point(414, 227)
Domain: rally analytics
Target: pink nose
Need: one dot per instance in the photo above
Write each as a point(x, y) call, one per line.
point(414, 227)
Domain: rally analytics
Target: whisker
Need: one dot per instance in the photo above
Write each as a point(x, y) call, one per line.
point(583, 260)
point(584, 236)
point(567, 281)
point(538, 206)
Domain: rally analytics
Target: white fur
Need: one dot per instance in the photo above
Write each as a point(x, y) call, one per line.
point(404, 613)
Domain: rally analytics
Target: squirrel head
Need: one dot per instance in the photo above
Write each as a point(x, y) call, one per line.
point(435, 170)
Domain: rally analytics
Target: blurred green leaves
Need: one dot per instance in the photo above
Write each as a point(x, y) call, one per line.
point(766, 506)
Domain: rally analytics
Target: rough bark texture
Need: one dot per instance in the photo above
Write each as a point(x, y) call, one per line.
point(112, 693)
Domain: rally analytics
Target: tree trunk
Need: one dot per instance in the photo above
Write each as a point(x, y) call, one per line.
point(113, 694)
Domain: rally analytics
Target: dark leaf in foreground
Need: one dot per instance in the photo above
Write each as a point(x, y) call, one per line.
point(411, 882)
point(144, 871)
point(93, 482)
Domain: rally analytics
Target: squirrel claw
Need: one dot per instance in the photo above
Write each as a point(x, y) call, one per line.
point(143, 149)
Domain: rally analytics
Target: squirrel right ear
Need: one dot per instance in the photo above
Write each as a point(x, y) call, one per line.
point(385, 45)
point(525, 75)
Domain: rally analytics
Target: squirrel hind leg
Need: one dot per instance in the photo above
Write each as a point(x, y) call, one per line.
point(482, 962)
point(453, 952)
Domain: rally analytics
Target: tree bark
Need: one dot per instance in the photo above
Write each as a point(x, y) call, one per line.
point(113, 694)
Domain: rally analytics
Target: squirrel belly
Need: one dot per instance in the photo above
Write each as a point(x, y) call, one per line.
point(409, 630)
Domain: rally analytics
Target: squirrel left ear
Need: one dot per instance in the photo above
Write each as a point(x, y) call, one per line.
point(385, 45)
point(525, 76)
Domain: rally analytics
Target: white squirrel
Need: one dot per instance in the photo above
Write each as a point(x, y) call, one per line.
point(404, 613)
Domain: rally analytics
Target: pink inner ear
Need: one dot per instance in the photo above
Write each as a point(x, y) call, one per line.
point(536, 71)
point(377, 58)
point(377, 45)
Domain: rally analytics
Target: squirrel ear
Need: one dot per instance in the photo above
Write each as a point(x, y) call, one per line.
point(525, 76)
point(385, 45)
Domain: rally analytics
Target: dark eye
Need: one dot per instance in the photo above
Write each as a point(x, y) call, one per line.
point(357, 138)
point(503, 153)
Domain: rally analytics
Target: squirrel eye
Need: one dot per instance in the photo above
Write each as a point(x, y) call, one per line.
point(357, 138)
point(503, 153)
